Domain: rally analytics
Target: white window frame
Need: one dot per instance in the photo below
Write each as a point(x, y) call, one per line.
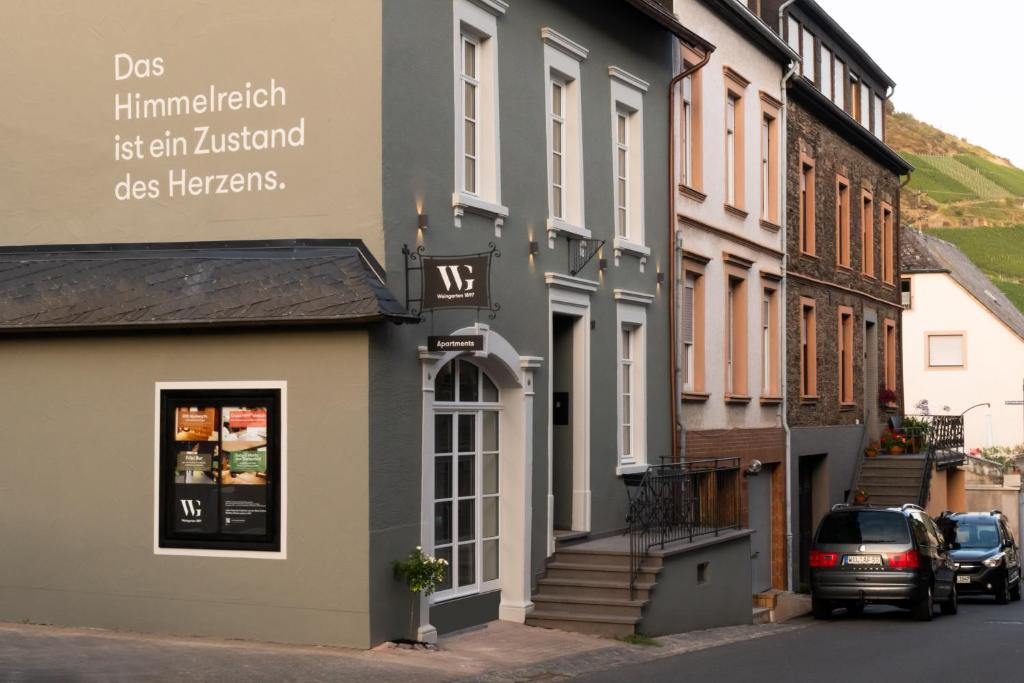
point(281, 386)
point(839, 82)
point(562, 58)
point(961, 336)
point(631, 314)
point(627, 98)
point(688, 132)
point(766, 343)
point(865, 104)
point(688, 345)
point(878, 107)
point(731, 150)
point(807, 55)
point(793, 34)
point(825, 57)
point(766, 149)
point(477, 23)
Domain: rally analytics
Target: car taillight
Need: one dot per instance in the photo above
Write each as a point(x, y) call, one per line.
point(907, 560)
point(820, 559)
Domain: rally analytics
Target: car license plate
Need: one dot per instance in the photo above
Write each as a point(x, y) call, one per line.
point(963, 578)
point(861, 560)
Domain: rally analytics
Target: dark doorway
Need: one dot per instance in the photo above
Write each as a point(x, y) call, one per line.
point(812, 496)
point(562, 419)
point(759, 513)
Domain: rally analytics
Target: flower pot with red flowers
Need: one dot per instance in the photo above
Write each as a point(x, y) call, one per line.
point(894, 442)
point(871, 451)
point(860, 496)
point(887, 399)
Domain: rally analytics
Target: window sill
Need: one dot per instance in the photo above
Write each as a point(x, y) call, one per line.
point(842, 266)
point(634, 468)
point(770, 226)
point(847, 406)
point(622, 245)
point(736, 211)
point(771, 400)
point(809, 400)
point(807, 254)
point(695, 397)
point(890, 285)
point(463, 203)
point(693, 193)
point(869, 276)
point(555, 226)
point(737, 398)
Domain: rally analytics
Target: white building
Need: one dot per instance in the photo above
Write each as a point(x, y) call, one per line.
point(963, 342)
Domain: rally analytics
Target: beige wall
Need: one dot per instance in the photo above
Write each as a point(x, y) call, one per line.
point(58, 176)
point(77, 502)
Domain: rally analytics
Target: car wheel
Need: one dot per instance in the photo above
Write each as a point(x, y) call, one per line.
point(855, 608)
point(1015, 591)
point(952, 605)
point(1003, 591)
point(821, 609)
point(925, 607)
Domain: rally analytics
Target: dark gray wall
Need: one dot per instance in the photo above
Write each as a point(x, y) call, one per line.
point(418, 159)
point(680, 603)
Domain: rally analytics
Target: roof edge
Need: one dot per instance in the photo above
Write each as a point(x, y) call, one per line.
point(852, 45)
point(669, 21)
point(745, 22)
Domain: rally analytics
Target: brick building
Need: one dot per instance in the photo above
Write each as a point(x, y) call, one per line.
point(842, 284)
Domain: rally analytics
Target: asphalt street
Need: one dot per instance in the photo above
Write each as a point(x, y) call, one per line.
point(984, 642)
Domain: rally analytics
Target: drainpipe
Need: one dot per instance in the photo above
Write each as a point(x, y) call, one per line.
point(673, 381)
point(785, 306)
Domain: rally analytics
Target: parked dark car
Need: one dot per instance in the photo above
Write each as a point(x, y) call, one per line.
point(891, 556)
point(984, 552)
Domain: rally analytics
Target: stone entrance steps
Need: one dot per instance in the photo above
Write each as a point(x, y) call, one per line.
point(587, 590)
point(892, 480)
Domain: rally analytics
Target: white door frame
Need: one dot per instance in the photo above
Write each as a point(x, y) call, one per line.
point(570, 296)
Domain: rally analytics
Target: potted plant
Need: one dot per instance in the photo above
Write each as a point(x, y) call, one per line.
point(422, 573)
point(871, 451)
point(860, 496)
point(895, 442)
point(917, 430)
point(887, 398)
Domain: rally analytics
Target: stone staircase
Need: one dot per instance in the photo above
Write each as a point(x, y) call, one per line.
point(892, 480)
point(586, 589)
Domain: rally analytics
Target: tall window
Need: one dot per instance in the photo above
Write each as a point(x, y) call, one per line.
point(731, 149)
point(769, 342)
point(855, 102)
point(839, 83)
point(826, 72)
point(845, 355)
point(687, 131)
point(878, 121)
point(946, 350)
point(622, 173)
point(628, 384)
point(558, 149)
point(865, 105)
point(808, 349)
point(906, 293)
point(890, 354)
point(807, 54)
point(793, 34)
point(220, 469)
point(888, 246)
point(736, 337)
point(692, 328)
point(770, 159)
point(867, 233)
point(466, 478)
point(690, 116)
point(842, 221)
point(765, 166)
point(807, 217)
point(470, 106)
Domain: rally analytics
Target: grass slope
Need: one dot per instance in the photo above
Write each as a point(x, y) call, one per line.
point(998, 252)
point(1008, 177)
point(934, 182)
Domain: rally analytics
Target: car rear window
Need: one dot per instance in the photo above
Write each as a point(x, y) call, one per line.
point(863, 526)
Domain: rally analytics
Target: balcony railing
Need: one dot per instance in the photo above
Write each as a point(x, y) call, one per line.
point(940, 438)
point(680, 501)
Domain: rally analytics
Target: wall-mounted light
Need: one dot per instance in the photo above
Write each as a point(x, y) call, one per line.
point(602, 264)
point(660, 278)
point(753, 469)
point(424, 221)
point(534, 248)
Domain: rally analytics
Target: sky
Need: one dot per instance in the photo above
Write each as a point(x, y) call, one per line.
point(955, 64)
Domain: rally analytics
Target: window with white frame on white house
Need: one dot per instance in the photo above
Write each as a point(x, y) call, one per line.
point(622, 180)
point(945, 350)
point(689, 290)
point(628, 387)
point(730, 150)
point(688, 131)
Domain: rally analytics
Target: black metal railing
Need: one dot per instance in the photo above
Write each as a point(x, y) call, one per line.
point(681, 501)
point(932, 435)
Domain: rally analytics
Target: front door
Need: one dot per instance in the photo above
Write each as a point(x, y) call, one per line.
point(759, 506)
point(871, 380)
point(562, 420)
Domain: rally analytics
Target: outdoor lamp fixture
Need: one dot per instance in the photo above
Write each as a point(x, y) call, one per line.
point(602, 264)
point(977, 405)
point(753, 469)
point(660, 278)
point(534, 248)
point(424, 221)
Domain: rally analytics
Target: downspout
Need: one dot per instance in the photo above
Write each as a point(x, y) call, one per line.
point(785, 306)
point(673, 381)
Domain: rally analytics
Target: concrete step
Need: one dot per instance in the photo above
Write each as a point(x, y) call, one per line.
point(894, 464)
point(762, 615)
point(609, 558)
point(766, 599)
point(612, 590)
point(600, 572)
point(892, 501)
point(567, 604)
point(875, 480)
point(891, 489)
point(595, 623)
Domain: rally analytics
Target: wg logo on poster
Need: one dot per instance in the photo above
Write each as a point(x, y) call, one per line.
point(451, 277)
point(192, 509)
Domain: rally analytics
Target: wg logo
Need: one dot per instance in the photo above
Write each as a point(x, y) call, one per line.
point(192, 509)
point(452, 278)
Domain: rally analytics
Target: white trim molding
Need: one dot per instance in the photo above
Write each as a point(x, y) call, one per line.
point(279, 385)
point(629, 296)
point(629, 79)
point(463, 203)
point(568, 282)
point(632, 317)
point(495, 7)
point(563, 44)
point(622, 246)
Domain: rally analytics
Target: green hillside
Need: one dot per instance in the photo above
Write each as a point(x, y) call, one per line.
point(933, 182)
point(998, 252)
point(1008, 177)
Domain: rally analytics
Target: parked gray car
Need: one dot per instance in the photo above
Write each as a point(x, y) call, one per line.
point(892, 556)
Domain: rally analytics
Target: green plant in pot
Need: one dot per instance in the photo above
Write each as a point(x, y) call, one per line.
point(895, 443)
point(918, 430)
point(422, 573)
point(860, 496)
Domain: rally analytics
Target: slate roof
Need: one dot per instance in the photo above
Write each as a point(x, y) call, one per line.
point(921, 253)
point(191, 285)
